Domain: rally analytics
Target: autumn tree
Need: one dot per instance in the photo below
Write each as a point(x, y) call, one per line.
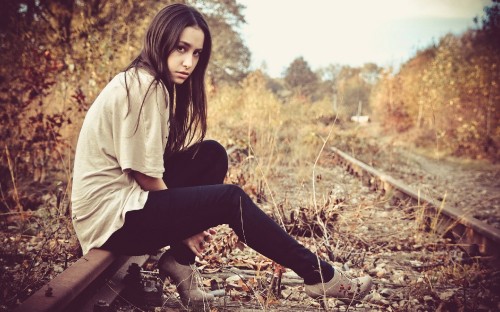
point(327, 86)
point(58, 54)
point(230, 58)
point(301, 79)
point(354, 84)
point(447, 95)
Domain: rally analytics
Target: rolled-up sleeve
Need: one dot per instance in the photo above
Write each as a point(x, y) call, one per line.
point(141, 129)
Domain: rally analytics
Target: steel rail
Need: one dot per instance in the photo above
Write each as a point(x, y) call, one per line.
point(82, 283)
point(476, 237)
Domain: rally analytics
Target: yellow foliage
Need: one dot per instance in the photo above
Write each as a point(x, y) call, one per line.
point(252, 118)
point(450, 91)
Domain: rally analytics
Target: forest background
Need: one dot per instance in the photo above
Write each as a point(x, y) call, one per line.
point(56, 56)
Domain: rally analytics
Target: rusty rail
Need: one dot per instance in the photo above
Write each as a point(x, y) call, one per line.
point(78, 286)
point(476, 237)
point(64, 288)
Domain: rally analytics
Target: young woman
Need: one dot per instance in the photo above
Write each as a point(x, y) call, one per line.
point(144, 178)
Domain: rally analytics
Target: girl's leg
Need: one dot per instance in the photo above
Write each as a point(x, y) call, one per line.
point(182, 211)
point(204, 163)
point(175, 214)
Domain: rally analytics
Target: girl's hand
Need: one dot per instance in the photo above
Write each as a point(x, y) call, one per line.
point(197, 242)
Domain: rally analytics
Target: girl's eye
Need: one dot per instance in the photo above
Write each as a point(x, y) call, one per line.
point(197, 53)
point(181, 49)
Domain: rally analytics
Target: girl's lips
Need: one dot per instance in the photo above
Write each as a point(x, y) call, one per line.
point(182, 75)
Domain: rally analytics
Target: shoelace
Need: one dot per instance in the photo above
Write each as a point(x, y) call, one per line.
point(349, 291)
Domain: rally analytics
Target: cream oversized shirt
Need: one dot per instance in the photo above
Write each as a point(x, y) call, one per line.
point(116, 137)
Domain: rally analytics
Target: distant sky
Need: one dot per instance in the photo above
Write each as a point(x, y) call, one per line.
point(351, 32)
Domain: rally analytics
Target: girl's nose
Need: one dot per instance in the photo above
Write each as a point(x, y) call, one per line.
point(188, 61)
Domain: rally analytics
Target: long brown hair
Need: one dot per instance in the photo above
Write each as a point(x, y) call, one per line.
point(187, 103)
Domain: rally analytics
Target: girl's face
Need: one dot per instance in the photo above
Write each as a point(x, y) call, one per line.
point(183, 59)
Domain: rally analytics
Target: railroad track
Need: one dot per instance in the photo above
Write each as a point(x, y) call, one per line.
point(476, 237)
point(95, 280)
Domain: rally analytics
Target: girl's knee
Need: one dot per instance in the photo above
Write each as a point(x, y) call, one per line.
point(218, 155)
point(235, 195)
point(234, 190)
point(213, 145)
point(215, 148)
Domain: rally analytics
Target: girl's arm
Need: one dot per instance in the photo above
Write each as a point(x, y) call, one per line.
point(148, 183)
point(195, 243)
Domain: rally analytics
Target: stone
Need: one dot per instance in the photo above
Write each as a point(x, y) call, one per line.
point(446, 295)
point(386, 292)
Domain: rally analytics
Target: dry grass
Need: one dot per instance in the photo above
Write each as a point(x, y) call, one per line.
point(275, 136)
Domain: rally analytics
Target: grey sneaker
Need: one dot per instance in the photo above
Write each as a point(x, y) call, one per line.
point(342, 287)
point(184, 277)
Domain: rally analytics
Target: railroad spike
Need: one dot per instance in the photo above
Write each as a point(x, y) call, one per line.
point(101, 306)
point(49, 291)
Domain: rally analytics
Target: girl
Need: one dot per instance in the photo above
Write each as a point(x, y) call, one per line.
point(144, 178)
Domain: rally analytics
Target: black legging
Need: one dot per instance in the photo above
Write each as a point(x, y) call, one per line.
point(197, 200)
